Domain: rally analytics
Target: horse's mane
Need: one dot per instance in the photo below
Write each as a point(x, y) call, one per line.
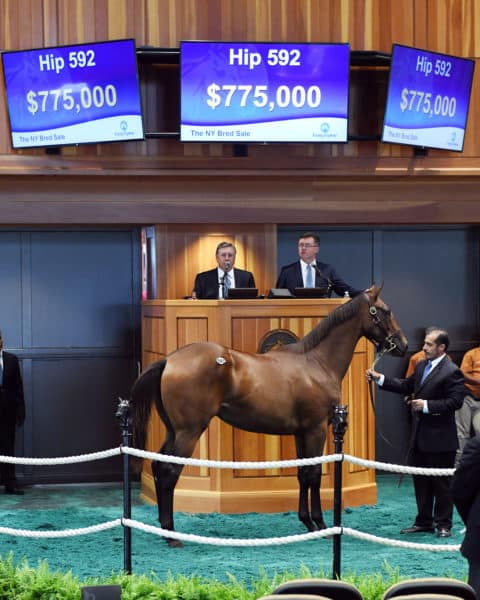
point(319, 332)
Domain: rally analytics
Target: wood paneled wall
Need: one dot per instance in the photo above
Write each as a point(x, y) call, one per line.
point(185, 250)
point(451, 26)
point(164, 181)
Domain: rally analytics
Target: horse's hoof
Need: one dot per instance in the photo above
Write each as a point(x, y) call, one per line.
point(174, 543)
point(309, 525)
point(320, 525)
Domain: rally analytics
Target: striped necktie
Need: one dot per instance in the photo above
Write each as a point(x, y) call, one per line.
point(226, 285)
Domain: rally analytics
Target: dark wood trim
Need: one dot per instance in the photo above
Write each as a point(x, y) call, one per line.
point(230, 198)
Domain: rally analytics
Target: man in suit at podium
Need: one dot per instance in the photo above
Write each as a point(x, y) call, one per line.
point(308, 272)
point(215, 283)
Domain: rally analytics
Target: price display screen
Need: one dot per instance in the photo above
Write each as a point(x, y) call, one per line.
point(263, 92)
point(73, 94)
point(428, 99)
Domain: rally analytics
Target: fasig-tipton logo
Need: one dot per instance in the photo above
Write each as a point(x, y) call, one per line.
point(453, 142)
point(124, 131)
point(324, 132)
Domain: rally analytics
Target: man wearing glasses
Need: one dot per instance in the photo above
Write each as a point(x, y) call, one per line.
point(310, 273)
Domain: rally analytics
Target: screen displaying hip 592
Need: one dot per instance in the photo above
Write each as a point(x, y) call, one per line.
point(428, 99)
point(78, 94)
point(263, 92)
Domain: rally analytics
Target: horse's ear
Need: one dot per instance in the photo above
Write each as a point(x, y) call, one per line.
point(374, 291)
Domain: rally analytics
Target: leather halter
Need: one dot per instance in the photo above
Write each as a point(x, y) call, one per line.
point(388, 344)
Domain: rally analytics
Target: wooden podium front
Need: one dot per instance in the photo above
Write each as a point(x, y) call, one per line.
point(241, 324)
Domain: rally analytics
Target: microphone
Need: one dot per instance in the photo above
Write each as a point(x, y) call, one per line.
point(228, 265)
point(327, 279)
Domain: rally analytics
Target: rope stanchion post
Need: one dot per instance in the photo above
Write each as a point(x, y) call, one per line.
point(123, 415)
point(339, 425)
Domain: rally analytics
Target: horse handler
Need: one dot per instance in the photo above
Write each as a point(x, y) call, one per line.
point(436, 389)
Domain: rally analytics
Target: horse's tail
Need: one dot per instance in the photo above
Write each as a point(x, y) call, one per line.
point(145, 391)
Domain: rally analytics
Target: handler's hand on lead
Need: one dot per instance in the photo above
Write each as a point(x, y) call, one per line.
point(372, 375)
point(417, 404)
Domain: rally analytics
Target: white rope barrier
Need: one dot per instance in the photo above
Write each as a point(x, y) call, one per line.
point(62, 533)
point(216, 541)
point(400, 544)
point(373, 464)
point(227, 464)
point(237, 542)
point(65, 460)
point(324, 533)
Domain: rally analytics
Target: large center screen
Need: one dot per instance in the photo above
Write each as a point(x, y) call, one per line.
point(428, 99)
point(263, 92)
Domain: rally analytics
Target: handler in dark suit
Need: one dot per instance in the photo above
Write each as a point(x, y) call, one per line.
point(12, 414)
point(322, 275)
point(215, 283)
point(466, 496)
point(436, 389)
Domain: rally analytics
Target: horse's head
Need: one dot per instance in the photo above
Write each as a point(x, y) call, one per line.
point(381, 328)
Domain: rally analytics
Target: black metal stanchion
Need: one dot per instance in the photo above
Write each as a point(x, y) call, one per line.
point(123, 415)
point(339, 424)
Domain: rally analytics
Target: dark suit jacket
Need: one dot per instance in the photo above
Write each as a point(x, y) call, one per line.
point(206, 284)
point(466, 496)
point(443, 388)
point(12, 412)
point(291, 277)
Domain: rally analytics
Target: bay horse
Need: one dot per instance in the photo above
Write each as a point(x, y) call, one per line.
point(291, 390)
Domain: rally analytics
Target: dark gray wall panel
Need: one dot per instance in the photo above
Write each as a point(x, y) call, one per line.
point(81, 289)
point(74, 405)
point(70, 300)
point(430, 278)
point(11, 288)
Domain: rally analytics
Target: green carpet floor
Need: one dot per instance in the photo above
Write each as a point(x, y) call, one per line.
point(99, 554)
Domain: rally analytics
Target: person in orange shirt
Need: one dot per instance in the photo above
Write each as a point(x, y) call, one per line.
point(468, 417)
point(413, 362)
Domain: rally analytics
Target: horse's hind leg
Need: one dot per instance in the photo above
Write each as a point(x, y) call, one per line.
point(303, 484)
point(315, 502)
point(303, 509)
point(166, 476)
point(314, 443)
point(309, 479)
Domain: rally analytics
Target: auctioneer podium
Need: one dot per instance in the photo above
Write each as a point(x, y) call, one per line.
point(242, 324)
